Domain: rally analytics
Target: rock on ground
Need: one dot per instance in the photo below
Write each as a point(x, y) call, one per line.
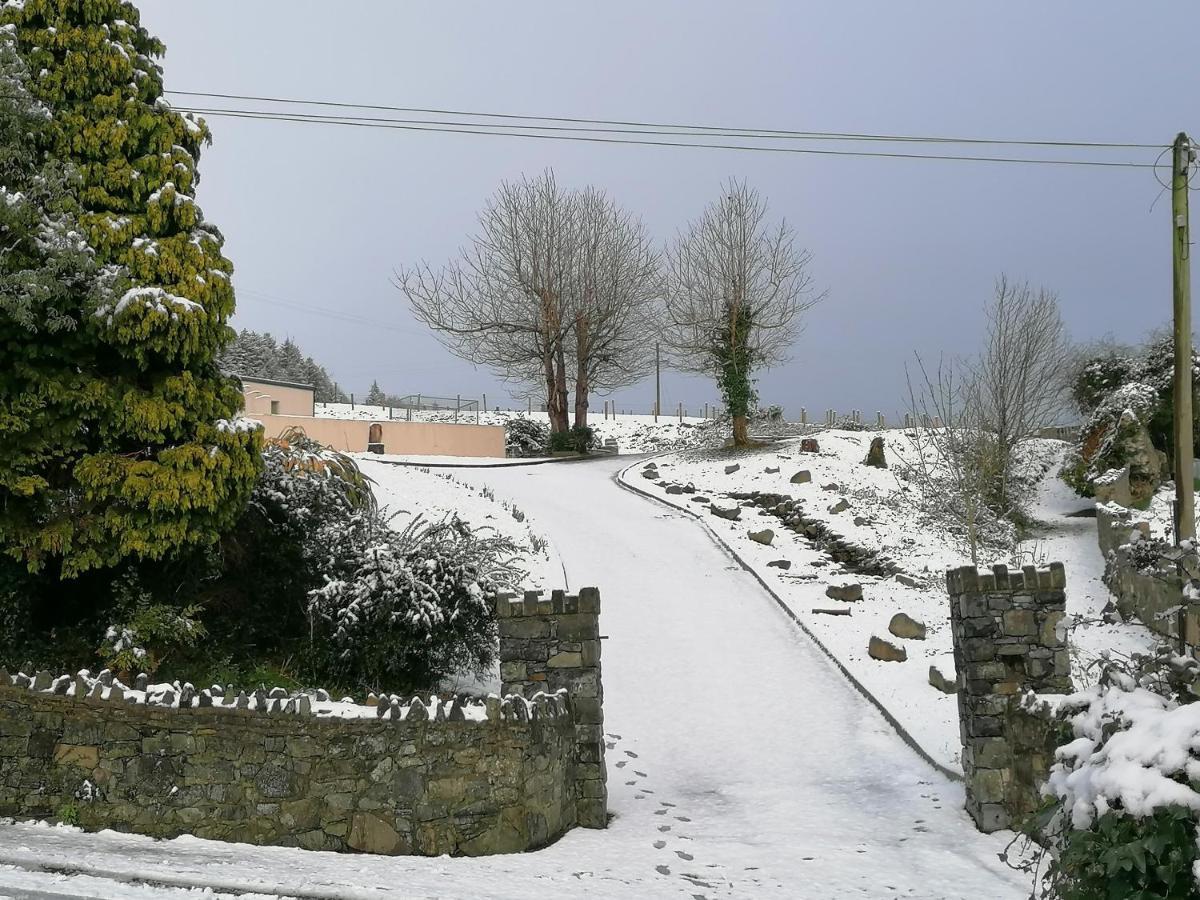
point(886, 651)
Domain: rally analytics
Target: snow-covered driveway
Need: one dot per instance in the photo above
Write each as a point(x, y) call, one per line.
point(741, 763)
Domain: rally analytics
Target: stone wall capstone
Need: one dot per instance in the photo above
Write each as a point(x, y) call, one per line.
point(1006, 643)
point(554, 644)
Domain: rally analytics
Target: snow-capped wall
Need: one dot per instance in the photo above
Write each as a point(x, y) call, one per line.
point(1008, 641)
point(423, 777)
point(554, 645)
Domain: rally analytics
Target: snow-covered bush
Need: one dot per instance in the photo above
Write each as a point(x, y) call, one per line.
point(525, 438)
point(146, 632)
point(1125, 785)
point(403, 609)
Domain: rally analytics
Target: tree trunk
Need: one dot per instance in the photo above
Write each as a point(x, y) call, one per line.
point(741, 431)
point(559, 419)
point(581, 396)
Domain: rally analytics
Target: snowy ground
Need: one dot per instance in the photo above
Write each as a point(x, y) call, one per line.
point(883, 516)
point(633, 433)
point(742, 763)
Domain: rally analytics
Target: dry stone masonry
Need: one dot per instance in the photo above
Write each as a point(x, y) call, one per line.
point(1006, 643)
point(426, 776)
point(551, 645)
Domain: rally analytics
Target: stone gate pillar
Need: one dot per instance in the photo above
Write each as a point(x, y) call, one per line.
point(548, 645)
point(1006, 643)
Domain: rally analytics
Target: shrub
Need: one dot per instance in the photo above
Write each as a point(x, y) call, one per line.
point(147, 632)
point(525, 438)
point(1126, 822)
point(408, 608)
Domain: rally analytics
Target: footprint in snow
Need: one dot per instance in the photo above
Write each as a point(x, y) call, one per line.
point(664, 828)
point(630, 783)
point(658, 845)
point(631, 754)
point(662, 870)
point(622, 764)
point(660, 812)
point(643, 774)
point(665, 803)
point(682, 819)
point(684, 856)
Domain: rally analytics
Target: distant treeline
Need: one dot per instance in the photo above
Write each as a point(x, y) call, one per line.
point(255, 355)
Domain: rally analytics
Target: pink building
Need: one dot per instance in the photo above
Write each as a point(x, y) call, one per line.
point(281, 405)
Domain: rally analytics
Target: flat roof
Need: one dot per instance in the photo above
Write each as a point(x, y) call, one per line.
point(248, 379)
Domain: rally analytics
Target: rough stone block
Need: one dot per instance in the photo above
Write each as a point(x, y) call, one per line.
point(1019, 622)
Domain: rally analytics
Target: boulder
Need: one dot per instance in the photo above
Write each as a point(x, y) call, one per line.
point(731, 514)
point(1113, 487)
point(906, 580)
point(906, 627)
point(652, 474)
point(832, 486)
point(809, 445)
point(763, 537)
point(674, 489)
point(772, 470)
point(730, 469)
point(885, 651)
point(840, 507)
point(784, 564)
point(941, 682)
point(875, 455)
point(847, 593)
point(802, 477)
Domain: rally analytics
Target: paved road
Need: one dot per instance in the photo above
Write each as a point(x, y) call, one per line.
point(741, 763)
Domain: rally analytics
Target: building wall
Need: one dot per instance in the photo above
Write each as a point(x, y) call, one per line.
point(409, 438)
point(293, 401)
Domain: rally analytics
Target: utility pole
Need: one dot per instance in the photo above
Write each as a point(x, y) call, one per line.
point(657, 380)
point(1185, 502)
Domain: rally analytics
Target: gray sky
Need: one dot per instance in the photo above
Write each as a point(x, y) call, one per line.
point(907, 250)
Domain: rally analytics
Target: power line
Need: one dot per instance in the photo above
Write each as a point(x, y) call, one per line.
point(339, 315)
point(748, 132)
point(494, 131)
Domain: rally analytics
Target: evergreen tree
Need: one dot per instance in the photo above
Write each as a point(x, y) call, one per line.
point(375, 396)
point(120, 438)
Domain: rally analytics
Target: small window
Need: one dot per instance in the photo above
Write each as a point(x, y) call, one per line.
point(274, 407)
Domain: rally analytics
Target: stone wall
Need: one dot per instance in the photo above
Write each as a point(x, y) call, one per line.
point(422, 777)
point(554, 644)
point(1006, 643)
point(1148, 577)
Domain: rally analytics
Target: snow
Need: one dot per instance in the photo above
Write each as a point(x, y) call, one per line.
point(741, 762)
point(890, 521)
point(152, 298)
point(633, 433)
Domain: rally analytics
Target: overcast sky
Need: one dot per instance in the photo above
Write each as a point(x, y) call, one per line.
point(907, 250)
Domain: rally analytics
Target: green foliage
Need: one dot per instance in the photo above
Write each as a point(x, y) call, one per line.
point(734, 359)
point(1126, 858)
point(375, 396)
point(118, 437)
point(68, 814)
point(146, 632)
point(254, 355)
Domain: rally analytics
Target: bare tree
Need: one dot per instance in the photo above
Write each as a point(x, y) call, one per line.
point(556, 282)
point(735, 287)
point(504, 302)
point(949, 461)
point(1018, 377)
point(616, 282)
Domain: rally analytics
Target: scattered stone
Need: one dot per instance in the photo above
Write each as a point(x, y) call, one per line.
point(840, 507)
point(772, 470)
point(372, 699)
point(674, 489)
point(847, 593)
point(875, 457)
point(831, 612)
point(861, 520)
point(731, 514)
point(784, 564)
point(907, 580)
point(699, 499)
point(832, 486)
point(141, 682)
point(885, 651)
point(802, 477)
point(652, 474)
point(904, 626)
point(763, 537)
point(42, 681)
point(809, 445)
point(941, 682)
point(729, 470)
point(322, 695)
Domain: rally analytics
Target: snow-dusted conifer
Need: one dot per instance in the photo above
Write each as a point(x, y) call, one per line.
point(120, 438)
point(376, 396)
